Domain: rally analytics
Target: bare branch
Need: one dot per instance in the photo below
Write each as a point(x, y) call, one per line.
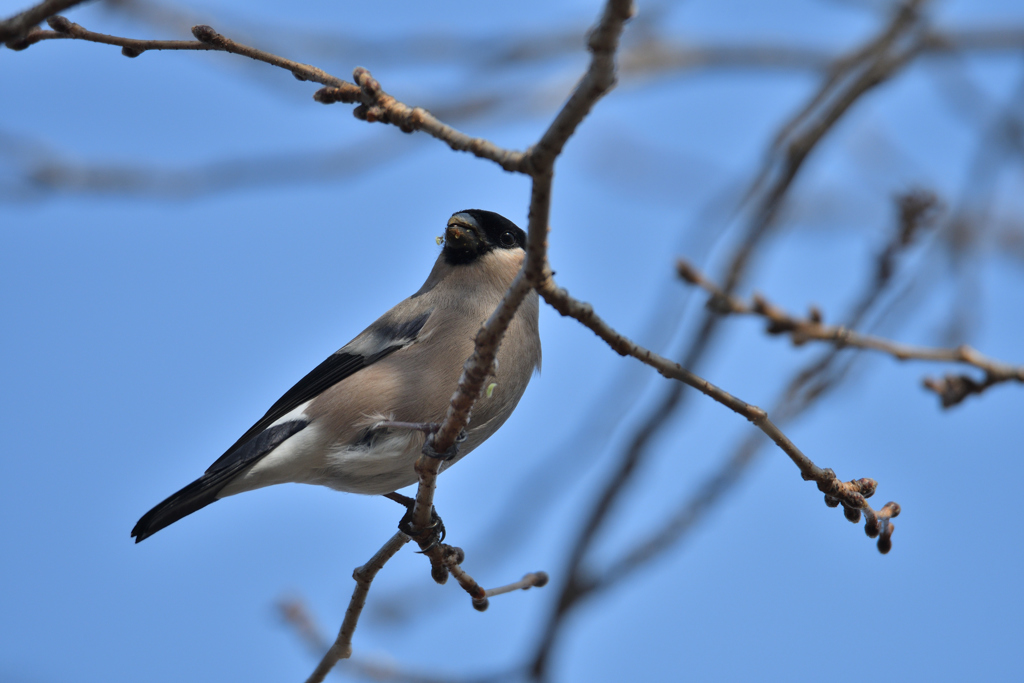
point(600, 77)
point(295, 613)
point(374, 103)
point(16, 27)
point(952, 389)
point(531, 580)
point(852, 494)
point(342, 647)
point(377, 105)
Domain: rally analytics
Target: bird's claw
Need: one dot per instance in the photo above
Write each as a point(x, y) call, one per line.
point(432, 535)
point(451, 453)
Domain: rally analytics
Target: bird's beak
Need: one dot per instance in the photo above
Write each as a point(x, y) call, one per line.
point(460, 237)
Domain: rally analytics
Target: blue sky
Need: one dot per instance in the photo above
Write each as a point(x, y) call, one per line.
point(145, 331)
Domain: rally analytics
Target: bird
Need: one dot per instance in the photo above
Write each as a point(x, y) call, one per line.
point(345, 425)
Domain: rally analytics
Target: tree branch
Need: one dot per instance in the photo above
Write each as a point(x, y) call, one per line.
point(852, 494)
point(342, 647)
point(951, 390)
point(600, 78)
point(15, 28)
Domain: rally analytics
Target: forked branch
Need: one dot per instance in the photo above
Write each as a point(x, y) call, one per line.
point(952, 389)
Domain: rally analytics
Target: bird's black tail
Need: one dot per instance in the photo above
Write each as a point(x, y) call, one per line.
point(204, 490)
point(195, 496)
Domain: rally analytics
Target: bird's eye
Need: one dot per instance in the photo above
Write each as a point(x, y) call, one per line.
point(507, 239)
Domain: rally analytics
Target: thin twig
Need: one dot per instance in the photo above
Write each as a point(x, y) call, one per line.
point(375, 104)
point(531, 580)
point(295, 613)
point(852, 494)
point(16, 27)
point(951, 389)
point(342, 647)
point(206, 40)
point(849, 79)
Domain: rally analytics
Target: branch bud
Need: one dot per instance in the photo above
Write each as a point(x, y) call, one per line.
point(60, 24)
point(204, 34)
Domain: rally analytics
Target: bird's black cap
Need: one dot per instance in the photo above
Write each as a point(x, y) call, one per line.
point(474, 232)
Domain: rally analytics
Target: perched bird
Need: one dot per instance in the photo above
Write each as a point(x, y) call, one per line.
point(332, 427)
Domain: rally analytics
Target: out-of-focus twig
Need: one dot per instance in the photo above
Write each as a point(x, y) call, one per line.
point(293, 611)
point(14, 29)
point(850, 77)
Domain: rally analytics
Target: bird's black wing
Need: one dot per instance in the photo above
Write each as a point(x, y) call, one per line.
point(381, 339)
point(205, 489)
point(342, 364)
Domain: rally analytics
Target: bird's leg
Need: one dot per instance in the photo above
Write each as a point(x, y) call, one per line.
point(427, 538)
point(425, 427)
point(404, 501)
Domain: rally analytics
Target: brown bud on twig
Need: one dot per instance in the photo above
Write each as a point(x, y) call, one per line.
point(367, 82)
point(890, 509)
point(204, 34)
point(867, 486)
point(857, 499)
point(953, 389)
point(19, 44)
point(329, 94)
point(688, 272)
point(885, 539)
point(831, 501)
point(60, 24)
point(852, 514)
point(872, 525)
point(481, 604)
point(131, 52)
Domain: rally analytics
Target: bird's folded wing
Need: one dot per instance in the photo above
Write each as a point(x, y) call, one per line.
point(382, 338)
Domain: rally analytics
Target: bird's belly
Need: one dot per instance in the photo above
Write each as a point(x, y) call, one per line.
point(383, 466)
